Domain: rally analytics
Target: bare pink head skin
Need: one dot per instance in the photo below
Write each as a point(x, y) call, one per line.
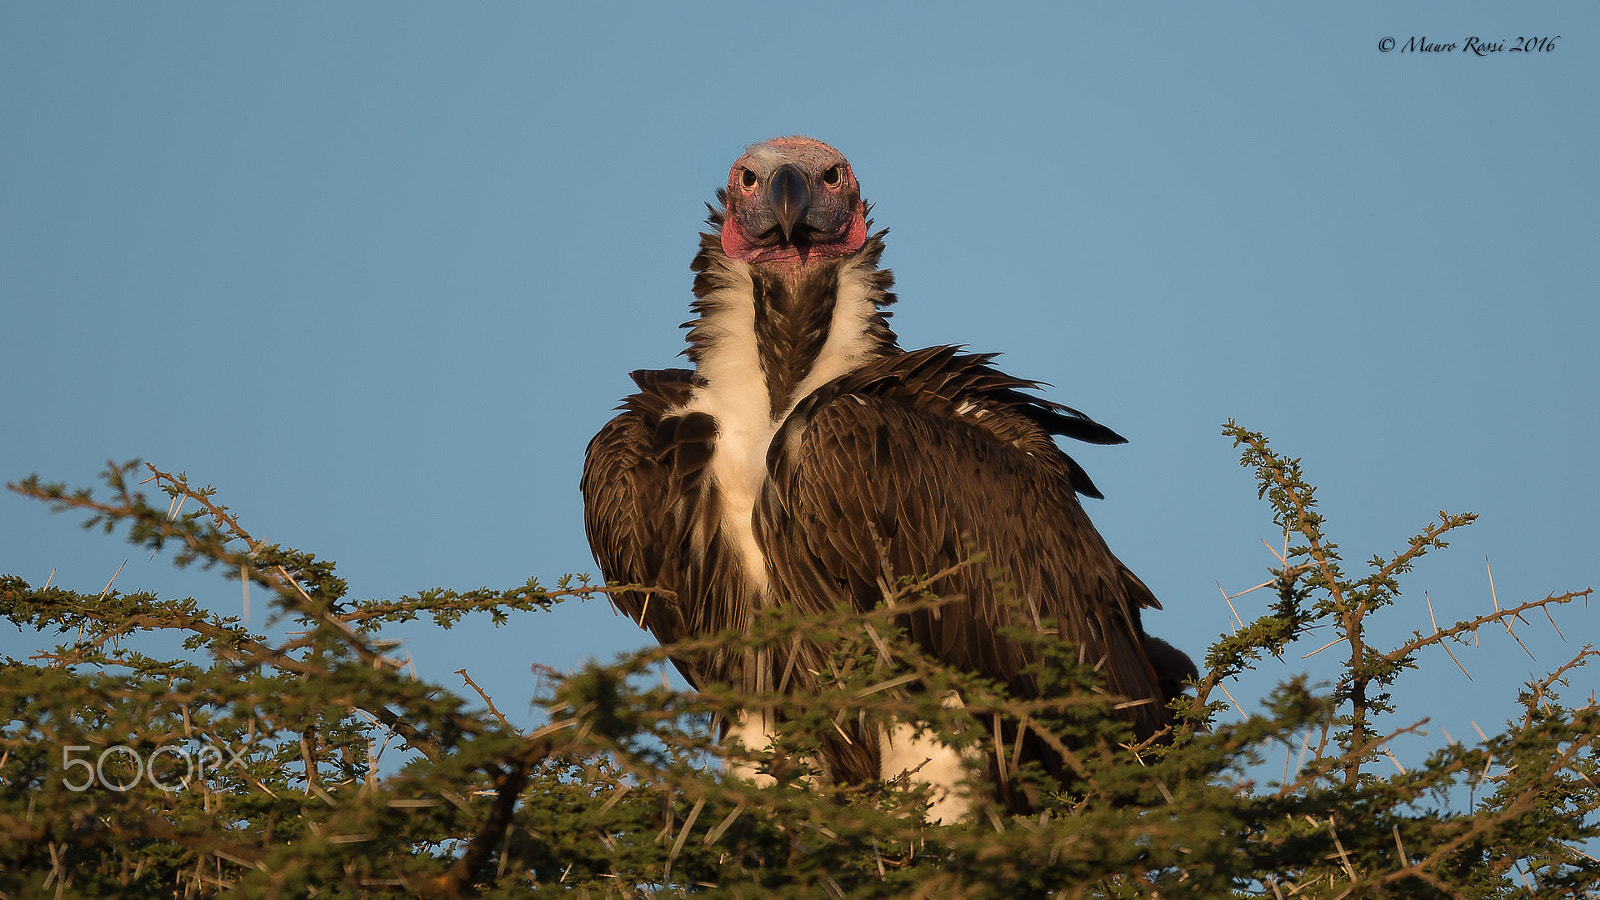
point(791, 201)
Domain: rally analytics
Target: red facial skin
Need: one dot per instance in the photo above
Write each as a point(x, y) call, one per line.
point(802, 180)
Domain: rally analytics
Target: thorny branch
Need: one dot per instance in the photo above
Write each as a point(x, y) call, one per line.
point(605, 795)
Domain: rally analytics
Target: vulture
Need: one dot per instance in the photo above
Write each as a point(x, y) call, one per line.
point(806, 460)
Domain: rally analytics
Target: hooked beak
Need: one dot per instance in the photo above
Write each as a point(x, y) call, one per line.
point(789, 197)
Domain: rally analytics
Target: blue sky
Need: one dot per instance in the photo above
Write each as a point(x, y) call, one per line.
point(377, 272)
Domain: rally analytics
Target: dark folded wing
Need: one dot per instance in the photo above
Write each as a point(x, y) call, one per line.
point(876, 479)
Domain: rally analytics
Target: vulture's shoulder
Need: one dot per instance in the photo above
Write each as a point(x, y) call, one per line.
point(946, 386)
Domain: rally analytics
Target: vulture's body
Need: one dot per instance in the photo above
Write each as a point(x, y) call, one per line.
point(807, 461)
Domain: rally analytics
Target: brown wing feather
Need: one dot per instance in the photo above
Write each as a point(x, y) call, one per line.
point(939, 457)
point(629, 488)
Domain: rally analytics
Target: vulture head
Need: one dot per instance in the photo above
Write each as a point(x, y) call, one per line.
point(791, 200)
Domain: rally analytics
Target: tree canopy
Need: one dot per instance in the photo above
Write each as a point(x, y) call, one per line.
point(249, 765)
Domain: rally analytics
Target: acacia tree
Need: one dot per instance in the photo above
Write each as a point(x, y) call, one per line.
point(247, 765)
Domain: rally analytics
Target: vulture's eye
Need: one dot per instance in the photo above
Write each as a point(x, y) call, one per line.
point(832, 176)
point(748, 178)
